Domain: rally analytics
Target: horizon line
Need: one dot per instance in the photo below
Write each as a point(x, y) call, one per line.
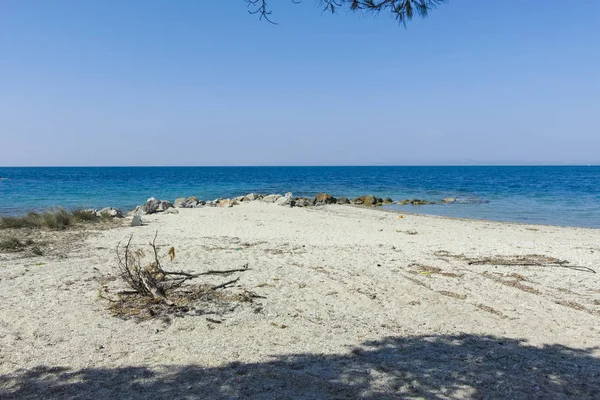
point(304, 166)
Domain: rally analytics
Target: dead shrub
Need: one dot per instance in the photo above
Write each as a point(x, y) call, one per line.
point(154, 292)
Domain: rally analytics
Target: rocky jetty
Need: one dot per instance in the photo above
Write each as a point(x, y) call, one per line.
point(153, 205)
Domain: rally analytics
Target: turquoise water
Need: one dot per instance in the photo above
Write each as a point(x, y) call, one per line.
point(546, 195)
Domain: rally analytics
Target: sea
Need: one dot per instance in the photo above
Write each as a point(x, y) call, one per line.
point(554, 195)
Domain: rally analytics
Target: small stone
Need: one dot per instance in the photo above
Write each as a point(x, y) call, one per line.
point(136, 221)
point(412, 232)
point(449, 200)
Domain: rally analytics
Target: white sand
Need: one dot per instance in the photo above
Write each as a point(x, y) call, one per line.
point(333, 278)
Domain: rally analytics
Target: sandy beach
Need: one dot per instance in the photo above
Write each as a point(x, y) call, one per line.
point(353, 303)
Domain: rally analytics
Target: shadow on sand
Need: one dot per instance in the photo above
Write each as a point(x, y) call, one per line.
point(431, 367)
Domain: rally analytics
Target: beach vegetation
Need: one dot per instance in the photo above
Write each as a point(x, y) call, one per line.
point(82, 215)
point(13, 244)
point(56, 219)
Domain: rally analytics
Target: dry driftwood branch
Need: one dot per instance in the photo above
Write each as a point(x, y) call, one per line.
point(210, 272)
point(227, 271)
point(144, 281)
point(223, 285)
point(156, 293)
point(153, 280)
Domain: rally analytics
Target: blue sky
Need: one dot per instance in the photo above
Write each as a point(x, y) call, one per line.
point(204, 83)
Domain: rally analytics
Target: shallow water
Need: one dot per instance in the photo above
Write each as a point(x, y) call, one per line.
point(547, 195)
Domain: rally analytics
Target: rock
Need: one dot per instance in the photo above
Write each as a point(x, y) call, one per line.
point(189, 202)
point(449, 200)
point(387, 200)
point(201, 203)
point(164, 205)
point(286, 200)
point(368, 200)
point(171, 211)
point(137, 220)
point(150, 207)
point(272, 198)
point(324, 198)
point(228, 203)
point(254, 196)
point(111, 212)
point(153, 206)
point(303, 202)
point(403, 202)
point(343, 200)
point(418, 202)
point(412, 232)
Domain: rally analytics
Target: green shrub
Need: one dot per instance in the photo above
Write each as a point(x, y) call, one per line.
point(36, 250)
point(56, 220)
point(17, 222)
point(82, 215)
point(11, 244)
